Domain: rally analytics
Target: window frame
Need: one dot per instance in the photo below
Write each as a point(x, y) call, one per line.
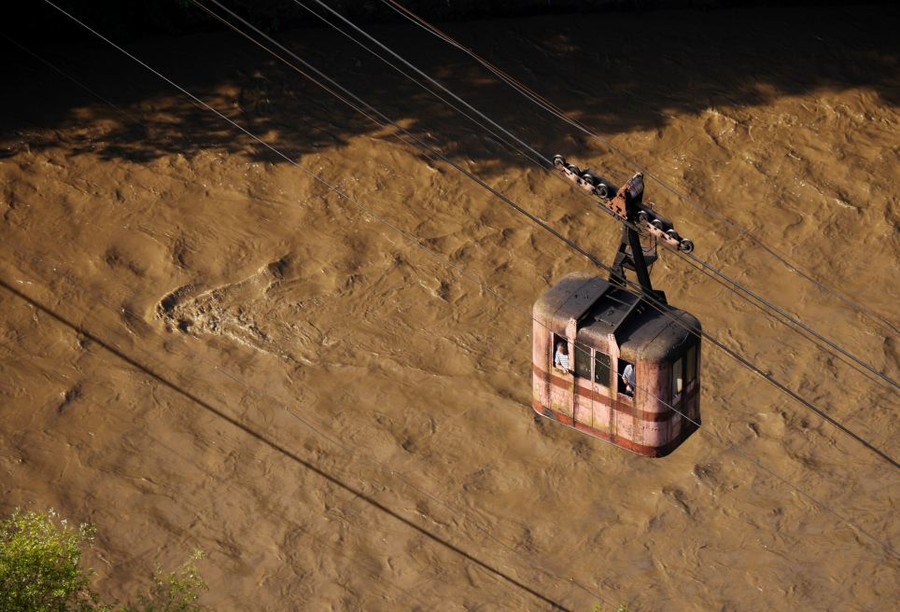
point(689, 363)
point(676, 392)
point(556, 339)
point(607, 366)
point(621, 392)
point(690, 366)
point(576, 362)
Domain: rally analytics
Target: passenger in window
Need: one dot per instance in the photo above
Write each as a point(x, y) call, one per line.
point(628, 379)
point(561, 359)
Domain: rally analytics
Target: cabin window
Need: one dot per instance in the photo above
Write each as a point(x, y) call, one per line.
point(684, 373)
point(677, 378)
point(690, 367)
point(582, 362)
point(601, 368)
point(627, 379)
point(559, 354)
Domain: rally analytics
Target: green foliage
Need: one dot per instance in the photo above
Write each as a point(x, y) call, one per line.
point(175, 592)
point(39, 570)
point(39, 555)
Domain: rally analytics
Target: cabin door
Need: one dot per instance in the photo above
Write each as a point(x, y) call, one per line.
point(584, 402)
point(603, 414)
point(612, 390)
point(561, 387)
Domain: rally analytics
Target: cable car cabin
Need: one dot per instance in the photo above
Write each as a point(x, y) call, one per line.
point(606, 328)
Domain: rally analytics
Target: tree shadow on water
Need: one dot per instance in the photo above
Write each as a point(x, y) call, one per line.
point(617, 72)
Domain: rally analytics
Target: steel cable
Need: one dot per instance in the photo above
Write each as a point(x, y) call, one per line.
point(491, 124)
point(188, 394)
point(571, 244)
point(726, 281)
point(556, 111)
point(50, 375)
point(242, 129)
point(425, 248)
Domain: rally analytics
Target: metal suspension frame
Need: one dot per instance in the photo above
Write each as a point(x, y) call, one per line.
point(638, 219)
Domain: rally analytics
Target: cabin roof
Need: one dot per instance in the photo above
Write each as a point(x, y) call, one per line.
point(656, 336)
point(571, 298)
point(614, 307)
point(600, 308)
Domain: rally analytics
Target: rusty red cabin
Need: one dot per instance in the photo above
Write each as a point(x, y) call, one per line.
point(605, 327)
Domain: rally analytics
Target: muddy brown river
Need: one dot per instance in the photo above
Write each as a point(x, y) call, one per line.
point(316, 368)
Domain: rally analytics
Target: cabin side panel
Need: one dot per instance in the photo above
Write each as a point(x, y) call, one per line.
point(540, 359)
point(602, 410)
point(584, 402)
point(654, 427)
point(624, 421)
point(693, 400)
point(561, 399)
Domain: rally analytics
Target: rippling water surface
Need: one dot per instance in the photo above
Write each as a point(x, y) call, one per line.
point(320, 374)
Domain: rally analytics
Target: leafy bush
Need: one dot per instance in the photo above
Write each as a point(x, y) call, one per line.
point(174, 592)
point(40, 556)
